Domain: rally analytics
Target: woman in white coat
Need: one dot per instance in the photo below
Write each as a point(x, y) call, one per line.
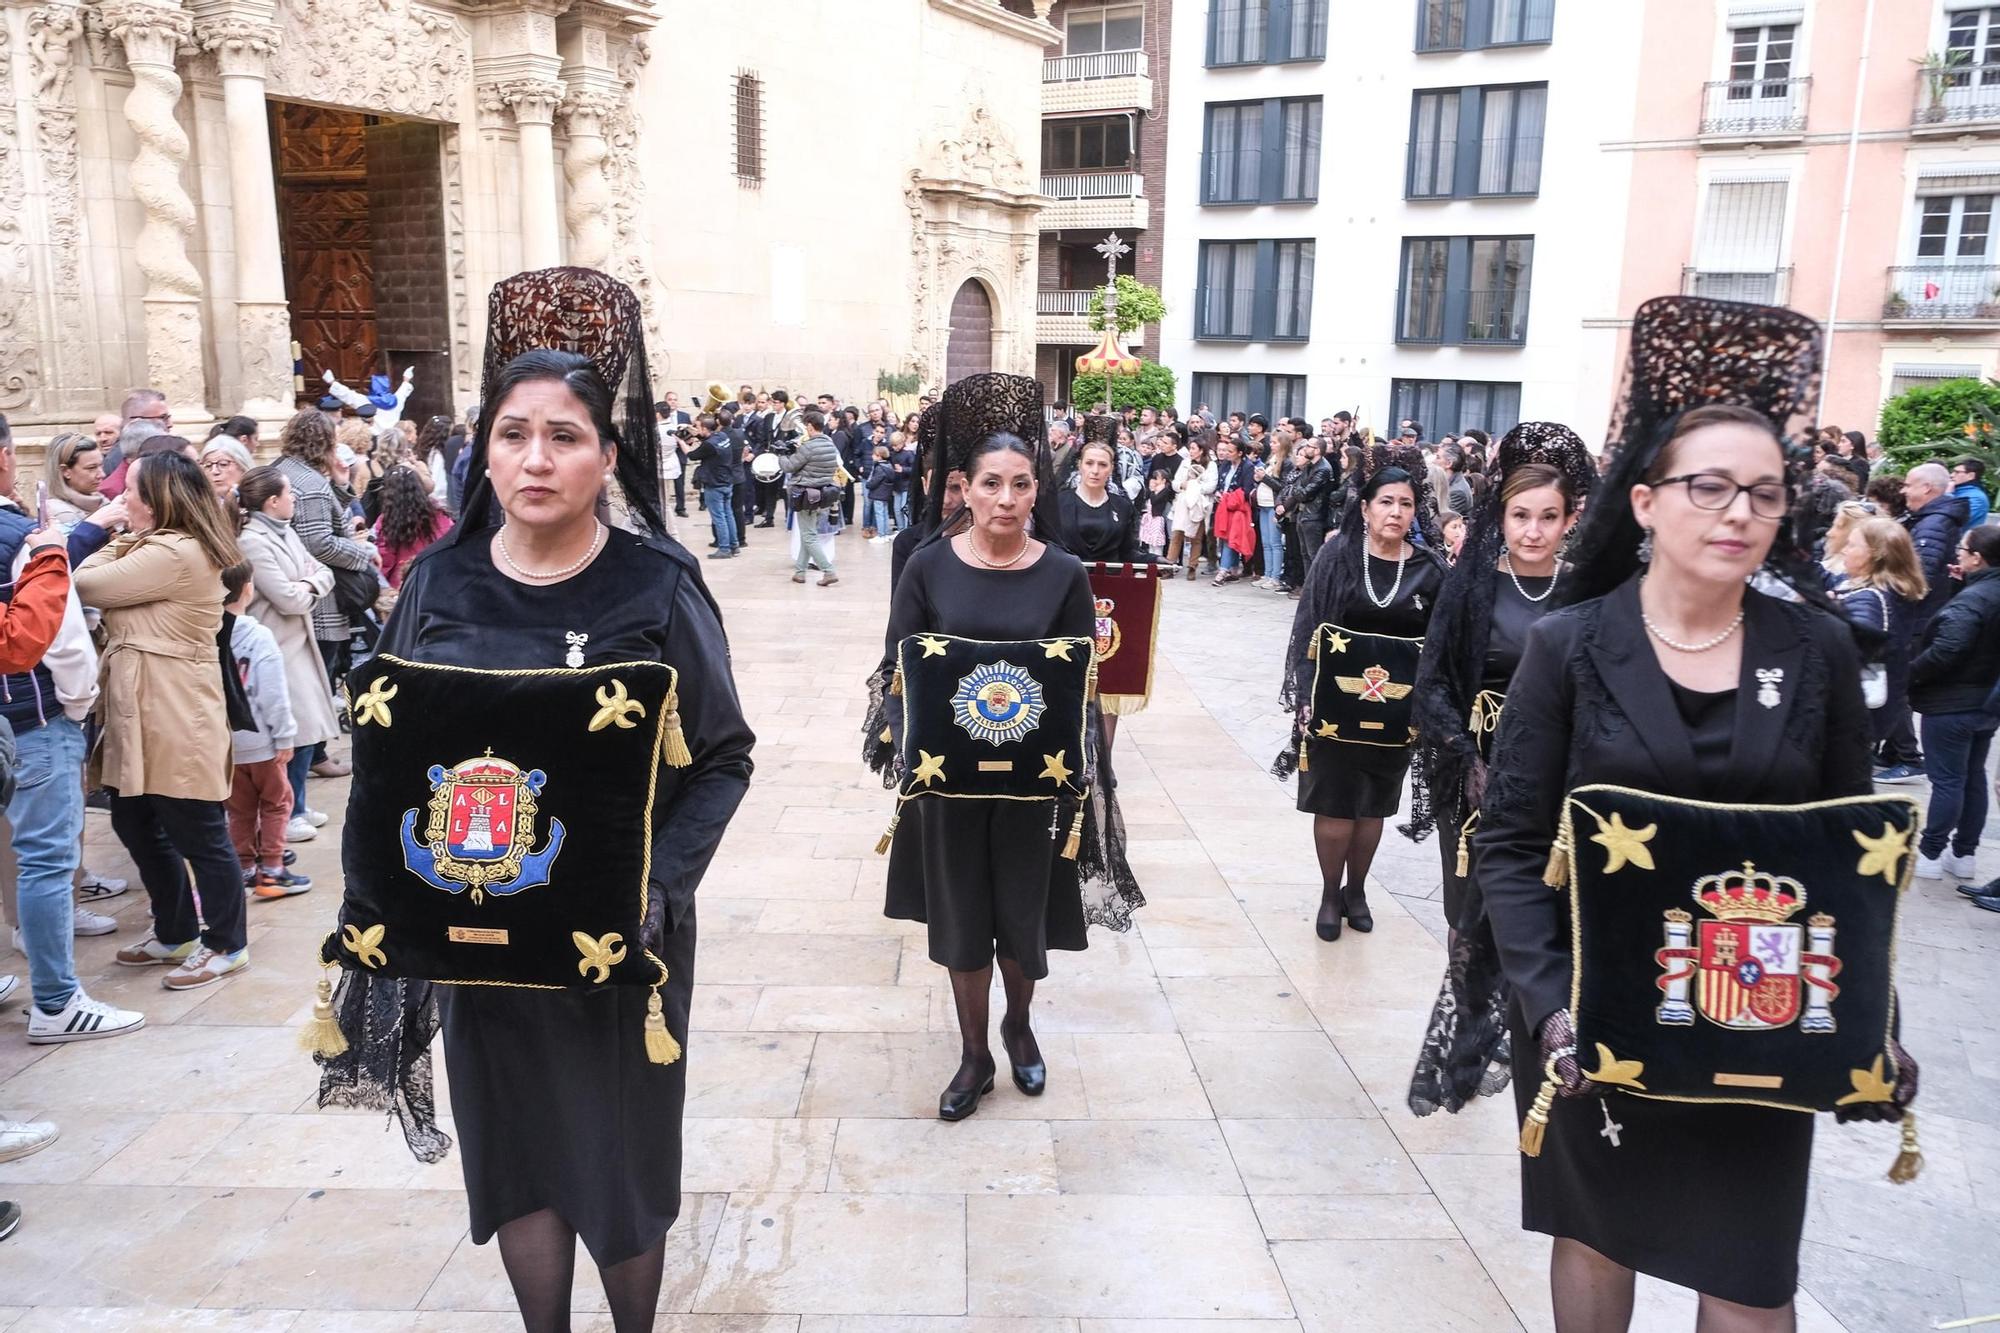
point(286, 581)
point(1194, 496)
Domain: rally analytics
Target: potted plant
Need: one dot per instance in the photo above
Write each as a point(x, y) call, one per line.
point(1896, 307)
point(1938, 69)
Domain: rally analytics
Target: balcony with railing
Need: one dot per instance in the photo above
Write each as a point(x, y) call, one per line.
point(1101, 81)
point(1764, 110)
point(1062, 317)
point(1107, 200)
point(1959, 99)
point(1771, 286)
point(1936, 294)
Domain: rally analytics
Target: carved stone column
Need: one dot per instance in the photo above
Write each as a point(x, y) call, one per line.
point(243, 46)
point(152, 34)
point(534, 103)
point(584, 157)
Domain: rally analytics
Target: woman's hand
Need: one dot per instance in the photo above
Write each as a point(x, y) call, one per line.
point(1900, 1098)
point(1475, 784)
point(1558, 1042)
point(49, 536)
point(112, 515)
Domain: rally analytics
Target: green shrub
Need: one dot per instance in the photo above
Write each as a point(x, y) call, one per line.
point(1138, 305)
point(1153, 386)
point(1943, 421)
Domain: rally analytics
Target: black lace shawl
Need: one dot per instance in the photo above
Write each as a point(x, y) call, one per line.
point(1334, 581)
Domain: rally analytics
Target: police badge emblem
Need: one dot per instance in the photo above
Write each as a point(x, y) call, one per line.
point(481, 825)
point(997, 702)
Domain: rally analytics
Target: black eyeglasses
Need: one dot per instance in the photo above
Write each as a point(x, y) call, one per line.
point(1708, 490)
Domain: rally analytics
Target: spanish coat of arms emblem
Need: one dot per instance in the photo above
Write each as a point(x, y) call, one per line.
point(1747, 966)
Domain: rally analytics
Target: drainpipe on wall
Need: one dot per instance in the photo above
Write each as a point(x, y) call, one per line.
point(1846, 206)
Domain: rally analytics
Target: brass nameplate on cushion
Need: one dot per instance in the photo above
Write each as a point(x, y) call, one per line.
point(475, 935)
point(996, 766)
point(1749, 1080)
point(1373, 726)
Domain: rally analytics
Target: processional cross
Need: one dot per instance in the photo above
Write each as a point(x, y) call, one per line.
point(1113, 248)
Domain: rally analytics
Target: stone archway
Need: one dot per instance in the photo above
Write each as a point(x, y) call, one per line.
point(969, 351)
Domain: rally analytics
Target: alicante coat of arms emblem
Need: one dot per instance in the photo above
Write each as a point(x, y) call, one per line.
point(481, 829)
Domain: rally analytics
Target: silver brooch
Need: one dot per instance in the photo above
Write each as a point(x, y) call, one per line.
point(574, 657)
point(1768, 680)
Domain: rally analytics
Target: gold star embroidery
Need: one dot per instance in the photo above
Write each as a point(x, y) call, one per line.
point(363, 944)
point(1336, 642)
point(373, 705)
point(1328, 732)
point(1883, 855)
point(1624, 844)
point(614, 708)
point(1058, 648)
point(930, 768)
point(1053, 767)
point(932, 645)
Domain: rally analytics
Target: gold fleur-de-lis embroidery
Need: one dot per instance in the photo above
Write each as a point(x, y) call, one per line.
point(1870, 1085)
point(373, 705)
point(599, 955)
point(1623, 843)
point(615, 708)
point(365, 945)
point(1619, 1073)
point(1882, 855)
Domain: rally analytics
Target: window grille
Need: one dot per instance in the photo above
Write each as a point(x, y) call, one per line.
point(749, 118)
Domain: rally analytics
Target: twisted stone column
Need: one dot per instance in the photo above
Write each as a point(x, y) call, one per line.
point(584, 160)
point(151, 35)
point(243, 48)
point(534, 103)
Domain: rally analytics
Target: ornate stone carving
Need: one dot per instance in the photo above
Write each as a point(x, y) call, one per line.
point(458, 287)
point(264, 338)
point(20, 358)
point(920, 279)
point(584, 158)
point(381, 55)
point(980, 154)
point(241, 46)
point(533, 101)
point(52, 34)
point(152, 34)
point(631, 251)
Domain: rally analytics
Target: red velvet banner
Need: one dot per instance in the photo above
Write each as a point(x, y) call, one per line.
point(1126, 631)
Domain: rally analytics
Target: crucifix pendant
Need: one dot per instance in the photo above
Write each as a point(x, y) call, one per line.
point(1611, 1127)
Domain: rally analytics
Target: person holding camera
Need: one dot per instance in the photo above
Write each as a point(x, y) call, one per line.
point(811, 466)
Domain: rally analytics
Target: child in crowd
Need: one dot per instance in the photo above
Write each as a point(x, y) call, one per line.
point(260, 800)
point(881, 486)
point(1156, 513)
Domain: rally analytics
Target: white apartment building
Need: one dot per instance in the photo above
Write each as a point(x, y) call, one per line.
point(1402, 210)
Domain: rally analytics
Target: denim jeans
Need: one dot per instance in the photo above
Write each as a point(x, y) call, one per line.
point(166, 836)
point(1226, 559)
point(1955, 749)
point(296, 772)
point(47, 815)
point(721, 516)
point(902, 509)
point(1273, 544)
point(878, 517)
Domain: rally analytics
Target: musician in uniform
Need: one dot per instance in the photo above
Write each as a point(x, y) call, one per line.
point(1667, 673)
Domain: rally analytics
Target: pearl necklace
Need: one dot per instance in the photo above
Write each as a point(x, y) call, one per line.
point(1368, 580)
point(1547, 592)
point(597, 534)
point(973, 546)
point(1675, 644)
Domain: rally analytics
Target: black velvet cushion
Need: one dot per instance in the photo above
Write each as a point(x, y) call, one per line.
point(993, 719)
point(1737, 953)
point(1362, 687)
point(499, 827)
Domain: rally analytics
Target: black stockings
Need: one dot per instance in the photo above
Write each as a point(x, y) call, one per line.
point(972, 993)
point(1593, 1294)
point(539, 1252)
point(1346, 850)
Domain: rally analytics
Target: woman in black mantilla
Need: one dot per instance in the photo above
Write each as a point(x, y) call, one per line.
point(562, 1133)
point(1505, 580)
point(986, 875)
point(1373, 580)
point(1660, 676)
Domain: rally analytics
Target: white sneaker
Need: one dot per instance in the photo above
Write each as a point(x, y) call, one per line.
point(94, 923)
point(23, 1138)
point(205, 967)
point(97, 886)
point(1959, 867)
point(82, 1019)
point(318, 818)
point(300, 829)
point(1929, 867)
point(8, 986)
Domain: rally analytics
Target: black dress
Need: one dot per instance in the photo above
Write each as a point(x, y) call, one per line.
point(1709, 1197)
point(1366, 781)
point(1107, 532)
point(553, 1108)
point(986, 876)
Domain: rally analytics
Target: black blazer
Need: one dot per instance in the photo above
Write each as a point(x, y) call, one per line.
point(1590, 704)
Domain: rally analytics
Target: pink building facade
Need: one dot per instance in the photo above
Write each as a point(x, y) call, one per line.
point(1841, 157)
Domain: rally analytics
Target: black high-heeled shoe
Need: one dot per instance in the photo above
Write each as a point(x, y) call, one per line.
point(1031, 1079)
point(1328, 922)
point(956, 1103)
point(1363, 920)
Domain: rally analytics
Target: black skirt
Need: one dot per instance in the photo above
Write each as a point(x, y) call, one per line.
point(1343, 781)
point(985, 876)
point(1707, 1197)
point(558, 1107)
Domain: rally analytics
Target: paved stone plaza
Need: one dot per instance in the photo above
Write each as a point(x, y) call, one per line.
point(1223, 1147)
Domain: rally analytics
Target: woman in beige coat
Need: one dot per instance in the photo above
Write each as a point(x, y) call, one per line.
point(286, 583)
point(166, 726)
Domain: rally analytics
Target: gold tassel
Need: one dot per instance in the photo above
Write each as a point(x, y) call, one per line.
point(1090, 680)
point(1312, 649)
point(1910, 1161)
point(1464, 863)
point(661, 1048)
point(896, 683)
point(1074, 843)
point(321, 1034)
point(888, 834)
point(1537, 1122)
point(1556, 873)
point(1305, 759)
point(676, 749)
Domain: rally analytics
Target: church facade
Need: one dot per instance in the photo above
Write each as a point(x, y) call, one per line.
point(224, 199)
